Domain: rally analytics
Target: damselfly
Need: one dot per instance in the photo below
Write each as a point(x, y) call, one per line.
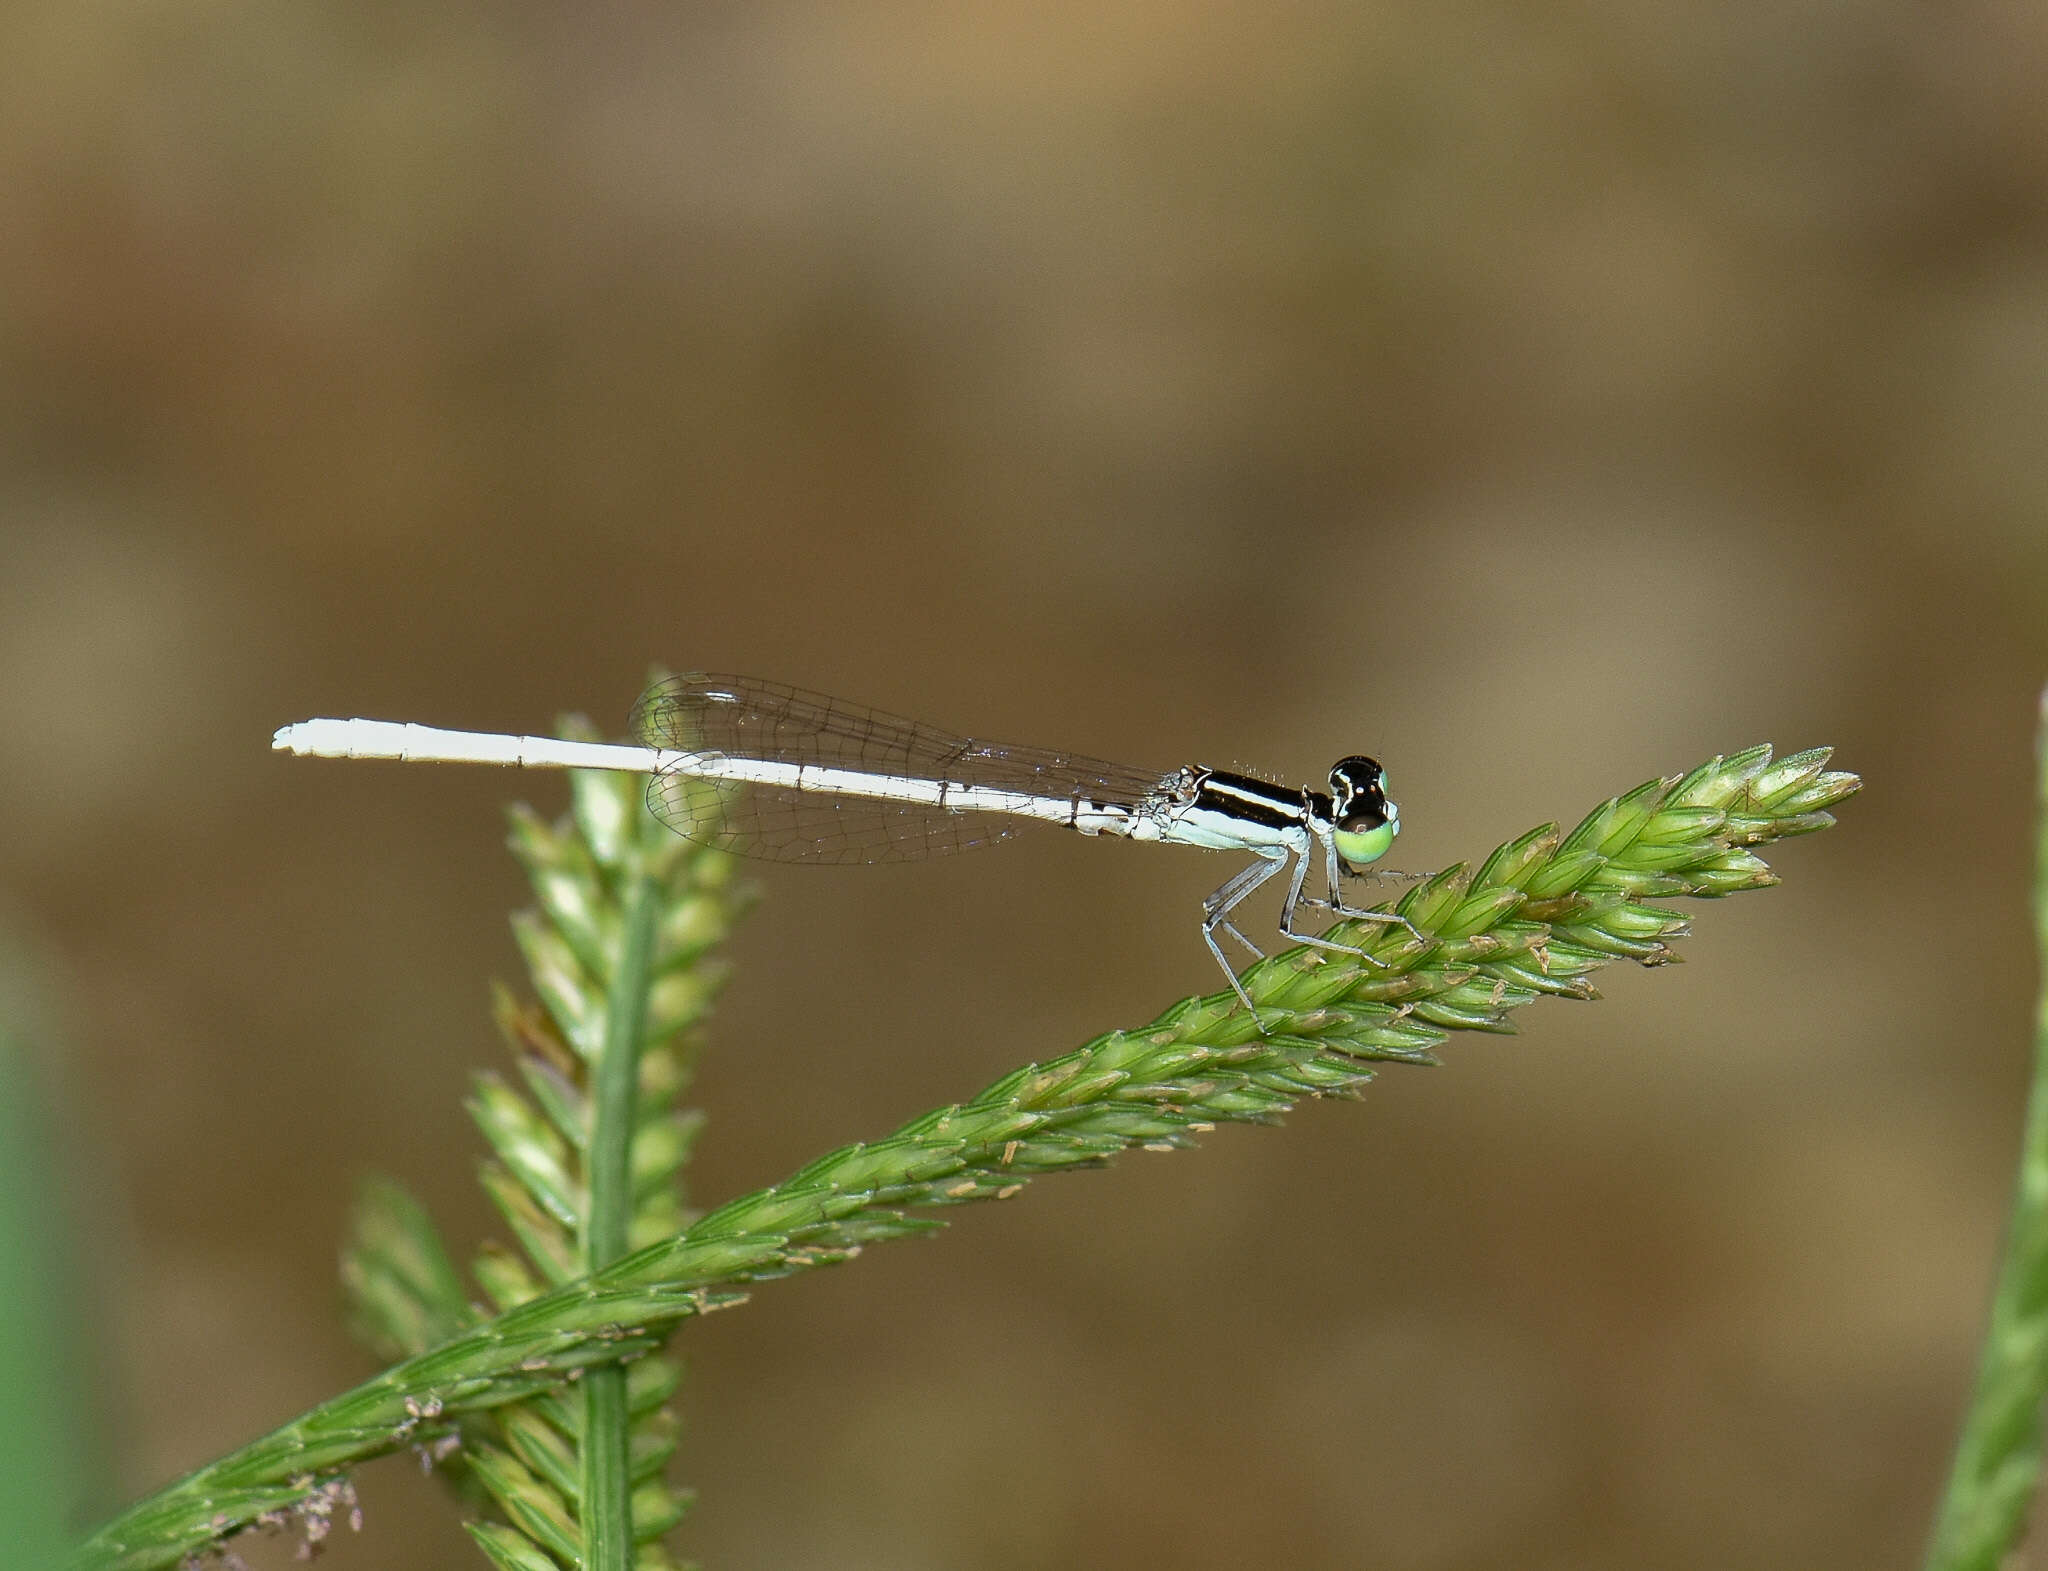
point(799, 777)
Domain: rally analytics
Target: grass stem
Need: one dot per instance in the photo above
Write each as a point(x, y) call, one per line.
point(606, 1473)
point(1998, 1455)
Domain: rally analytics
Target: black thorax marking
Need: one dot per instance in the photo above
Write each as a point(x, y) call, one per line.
point(1255, 801)
point(1321, 810)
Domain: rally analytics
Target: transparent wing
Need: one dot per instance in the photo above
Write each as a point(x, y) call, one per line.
point(743, 717)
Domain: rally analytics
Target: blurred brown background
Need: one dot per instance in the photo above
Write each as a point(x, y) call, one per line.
point(1541, 401)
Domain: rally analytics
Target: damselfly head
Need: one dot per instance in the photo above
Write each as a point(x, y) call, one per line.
point(1365, 821)
point(1358, 784)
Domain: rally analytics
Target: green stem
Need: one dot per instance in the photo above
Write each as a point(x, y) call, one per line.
point(607, 1226)
point(1999, 1453)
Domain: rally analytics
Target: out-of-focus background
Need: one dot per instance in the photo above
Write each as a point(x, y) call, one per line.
point(1539, 401)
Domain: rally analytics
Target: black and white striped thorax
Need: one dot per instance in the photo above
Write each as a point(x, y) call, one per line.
point(1223, 811)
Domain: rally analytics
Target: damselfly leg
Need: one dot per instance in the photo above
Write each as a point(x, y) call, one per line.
point(1239, 887)
point(1294, 899)
point(1216, 911)
point(1333, 869)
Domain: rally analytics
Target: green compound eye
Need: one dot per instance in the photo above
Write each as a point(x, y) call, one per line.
point(1362, 846)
